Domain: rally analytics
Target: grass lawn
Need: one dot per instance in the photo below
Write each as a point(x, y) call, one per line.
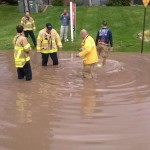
point(125, 23)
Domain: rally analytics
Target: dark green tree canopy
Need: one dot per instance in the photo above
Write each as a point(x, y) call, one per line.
point(119, 3)
point(11, 2)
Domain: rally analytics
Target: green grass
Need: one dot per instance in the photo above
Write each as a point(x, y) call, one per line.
point(125, 23)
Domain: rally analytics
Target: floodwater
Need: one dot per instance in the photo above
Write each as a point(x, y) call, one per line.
point(59, 110)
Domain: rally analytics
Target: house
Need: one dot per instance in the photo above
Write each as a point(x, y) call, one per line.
point(102, 2)
point(91, 2)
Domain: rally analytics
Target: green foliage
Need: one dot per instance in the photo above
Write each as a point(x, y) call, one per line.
point(12, 2)
point(57, 2)
point(119, 3)
point(126, 2)
point(125, 23)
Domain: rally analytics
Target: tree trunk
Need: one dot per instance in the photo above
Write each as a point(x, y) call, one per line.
point(90, 2)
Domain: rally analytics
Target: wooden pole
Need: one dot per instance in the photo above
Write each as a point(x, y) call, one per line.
point(143, 30)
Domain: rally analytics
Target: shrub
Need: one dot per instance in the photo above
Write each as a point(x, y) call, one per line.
point(57, 2)
point(126, 2)
point(119, 3)
point(11, 2)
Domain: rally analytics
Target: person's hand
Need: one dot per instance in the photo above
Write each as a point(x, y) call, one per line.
point(77, 55)
point(80, 49)
point(60, 48)
point(27, 52)
point(38, 51)
point(34, 28)
point(111, 49)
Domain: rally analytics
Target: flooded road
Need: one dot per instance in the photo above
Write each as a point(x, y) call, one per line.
point(59, 110)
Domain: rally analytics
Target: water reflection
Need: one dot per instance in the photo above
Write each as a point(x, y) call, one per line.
point(23, 105)
point(88, 97)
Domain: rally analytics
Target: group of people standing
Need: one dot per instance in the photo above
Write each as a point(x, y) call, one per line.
point(91, 49)
point(49, 42)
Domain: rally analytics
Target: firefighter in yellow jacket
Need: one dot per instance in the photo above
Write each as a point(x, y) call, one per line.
point(48, 43)
point(88, 54)
point(21, 54)
point(28, 24)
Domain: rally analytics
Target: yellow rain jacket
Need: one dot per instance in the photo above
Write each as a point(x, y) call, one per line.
point(48, 42)
point(89, 51)
point(28, 23)
point(21, 50)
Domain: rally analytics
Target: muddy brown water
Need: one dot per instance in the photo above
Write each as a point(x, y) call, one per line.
point(59, 110)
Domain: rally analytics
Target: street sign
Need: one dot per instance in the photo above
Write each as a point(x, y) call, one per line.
point(145, 2)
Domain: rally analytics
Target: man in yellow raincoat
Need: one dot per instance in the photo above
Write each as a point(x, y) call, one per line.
point(88, 54)
point(48, 43)
point(21, 55)
point(28, 24)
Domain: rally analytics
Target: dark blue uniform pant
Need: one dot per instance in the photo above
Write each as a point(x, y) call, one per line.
point(25, 72)
point(30, 32)
point(53, 57)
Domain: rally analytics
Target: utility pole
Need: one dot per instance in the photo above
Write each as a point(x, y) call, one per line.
point(90, 2)
point(145, 2)
point(26, 5)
